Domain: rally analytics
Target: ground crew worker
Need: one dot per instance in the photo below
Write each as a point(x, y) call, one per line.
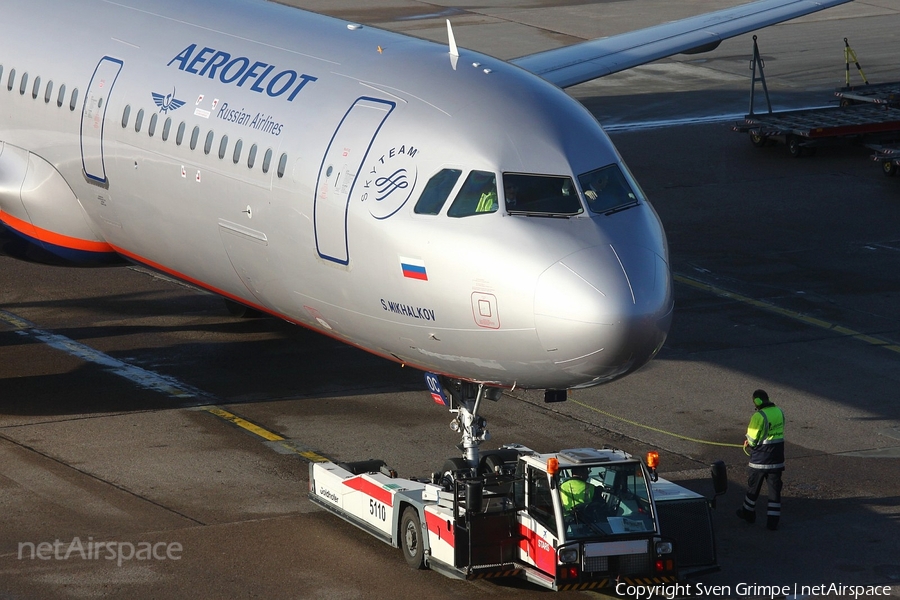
point(765, 440)
point(575, 491)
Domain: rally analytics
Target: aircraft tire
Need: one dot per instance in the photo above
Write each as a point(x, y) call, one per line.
point(365, 466)
point(888, 168)
point(448, 471)
point(496, 458)
point(454, 464)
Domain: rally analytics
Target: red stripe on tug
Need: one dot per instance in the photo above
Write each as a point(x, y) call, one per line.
point(361, 484)
point(440, 527)
point(541, 552)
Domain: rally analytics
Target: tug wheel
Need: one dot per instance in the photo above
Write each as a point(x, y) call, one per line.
point(411, 541)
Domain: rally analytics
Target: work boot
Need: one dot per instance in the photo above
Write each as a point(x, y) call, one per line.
point(772, 523)
point(745, 515)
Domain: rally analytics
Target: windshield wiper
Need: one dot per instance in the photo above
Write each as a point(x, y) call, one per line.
point(613, 211)
point(526, 213)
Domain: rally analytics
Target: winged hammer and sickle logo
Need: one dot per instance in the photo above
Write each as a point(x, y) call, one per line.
point(167, 102)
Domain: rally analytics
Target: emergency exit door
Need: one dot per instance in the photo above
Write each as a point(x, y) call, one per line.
point(93, 118)
point(338, 173)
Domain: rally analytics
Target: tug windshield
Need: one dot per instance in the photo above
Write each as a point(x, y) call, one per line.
point(604, 501)
point(540, 195)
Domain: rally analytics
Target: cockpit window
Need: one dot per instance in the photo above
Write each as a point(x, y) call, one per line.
point(478, 195)
point(541, 195)
point(607, 190)
point(436, 192)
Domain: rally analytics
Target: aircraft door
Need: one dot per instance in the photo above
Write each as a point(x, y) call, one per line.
point(337, 175)
point(93, 118)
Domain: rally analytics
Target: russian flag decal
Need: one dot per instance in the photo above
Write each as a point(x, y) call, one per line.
point(413, 268)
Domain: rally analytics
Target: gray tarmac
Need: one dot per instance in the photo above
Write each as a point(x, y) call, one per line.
point(119, 389)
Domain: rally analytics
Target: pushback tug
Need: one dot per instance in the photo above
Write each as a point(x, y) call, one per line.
point(505, 516)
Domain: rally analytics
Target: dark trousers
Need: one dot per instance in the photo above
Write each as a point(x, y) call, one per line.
point(755, 478)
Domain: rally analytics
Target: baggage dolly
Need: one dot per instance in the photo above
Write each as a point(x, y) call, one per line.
point(868, 114)
point(882, 93)
point(888, 156)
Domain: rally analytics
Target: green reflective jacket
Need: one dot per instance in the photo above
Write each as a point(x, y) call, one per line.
point(575, 492)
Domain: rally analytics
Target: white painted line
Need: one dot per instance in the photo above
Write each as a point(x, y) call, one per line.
point(644, 125)
point(142, 377)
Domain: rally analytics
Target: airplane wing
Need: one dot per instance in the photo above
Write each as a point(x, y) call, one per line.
point(576, 64)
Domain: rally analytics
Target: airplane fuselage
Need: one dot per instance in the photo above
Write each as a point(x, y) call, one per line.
point(329, 174)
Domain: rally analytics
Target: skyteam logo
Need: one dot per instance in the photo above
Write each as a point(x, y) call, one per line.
point(385, 186)
point(167, 102)
point(389, 181)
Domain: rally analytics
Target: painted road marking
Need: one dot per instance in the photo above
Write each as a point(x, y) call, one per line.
point(278, 442)
point(154, 381)
point(791, 314)
point(142, 377)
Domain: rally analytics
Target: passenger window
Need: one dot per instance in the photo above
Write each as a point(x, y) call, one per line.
point(195, 136)
point(74, 101)
point(282, 165)
point(126, 114)
point(1, 71)
point(179, 136)
point(23, 84)
point(478, 195)
point(238, 146)
point(153, 120)
point(36, 88)
point(139, 120)
point(48, 93)
point(251, 158)
point(12, 80)
point(61, 96)
point(167, 127)
point(209, 140)
point(436, 192)
point(267, 161)
point(223, 146)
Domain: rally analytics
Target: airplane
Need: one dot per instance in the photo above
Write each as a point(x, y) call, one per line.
point(430, 204)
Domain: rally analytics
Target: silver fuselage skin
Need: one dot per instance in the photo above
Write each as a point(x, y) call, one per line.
point(328, 236)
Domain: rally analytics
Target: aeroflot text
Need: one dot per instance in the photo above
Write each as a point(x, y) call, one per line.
point(681, 590)
point(238, 70)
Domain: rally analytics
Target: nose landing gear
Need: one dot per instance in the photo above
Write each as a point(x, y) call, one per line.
point(464, 399)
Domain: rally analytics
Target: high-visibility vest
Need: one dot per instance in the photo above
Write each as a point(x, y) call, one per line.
point(766, 426)
point(765, 435)
point(487, 202)
point(575, 492)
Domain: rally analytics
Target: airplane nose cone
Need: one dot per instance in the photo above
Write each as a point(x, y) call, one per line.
point(603, 312)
